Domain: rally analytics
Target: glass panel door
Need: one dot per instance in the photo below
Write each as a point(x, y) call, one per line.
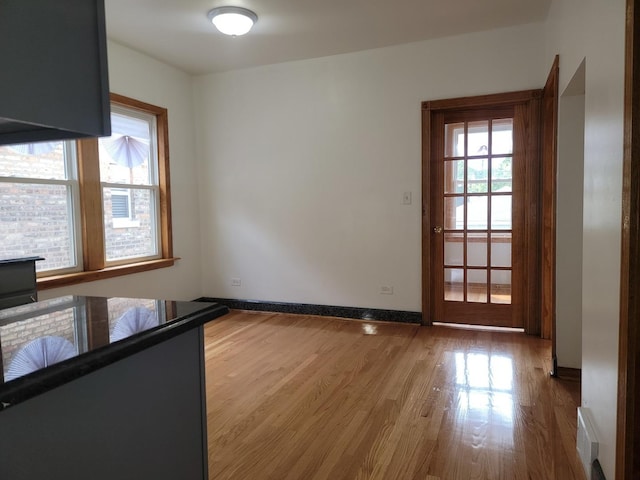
point(477, 232)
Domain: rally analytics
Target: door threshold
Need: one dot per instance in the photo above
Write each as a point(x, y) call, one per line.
point(479, 327)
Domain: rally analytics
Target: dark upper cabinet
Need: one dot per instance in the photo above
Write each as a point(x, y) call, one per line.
point(18, 284)
point(53, 70)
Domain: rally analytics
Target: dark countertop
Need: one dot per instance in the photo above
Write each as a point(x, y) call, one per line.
point(52, 342)
point(20, 260)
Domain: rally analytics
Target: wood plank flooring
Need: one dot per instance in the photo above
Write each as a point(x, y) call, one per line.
point(294, 397)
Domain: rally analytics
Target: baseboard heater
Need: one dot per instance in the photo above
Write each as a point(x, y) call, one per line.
point(587, 446)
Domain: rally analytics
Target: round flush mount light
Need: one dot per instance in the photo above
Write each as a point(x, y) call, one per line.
point(232, 20)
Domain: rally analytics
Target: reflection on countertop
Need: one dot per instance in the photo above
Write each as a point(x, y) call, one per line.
point(38, 336)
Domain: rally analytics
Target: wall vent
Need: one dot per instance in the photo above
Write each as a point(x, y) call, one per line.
point(586, 442)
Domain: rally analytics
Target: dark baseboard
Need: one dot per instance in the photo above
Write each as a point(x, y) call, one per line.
point(322, 310)
point(569, 373)
point(596, 471)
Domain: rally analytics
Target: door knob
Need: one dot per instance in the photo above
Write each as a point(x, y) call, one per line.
point(437, 229)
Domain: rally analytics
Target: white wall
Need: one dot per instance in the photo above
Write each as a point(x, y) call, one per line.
point(570, 183)
point(594, 30)
point(148, 80)
point(303, 165)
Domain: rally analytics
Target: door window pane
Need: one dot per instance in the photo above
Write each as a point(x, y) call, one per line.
point(453, 249)
point(501, 177)
point(501, 212)
point(454, 140)
point(454, 213)
point(501, 286)
point(478, 138)
point(478, 175)
point(502, 136)
point(454, 176)
point(477, 213)
point(454, 284)
point(501, 249)
point(477, 249)
point(477, 286)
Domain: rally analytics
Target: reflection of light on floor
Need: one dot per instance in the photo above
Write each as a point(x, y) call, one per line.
point(480, 370)
point(485, 395)
point(369, 329)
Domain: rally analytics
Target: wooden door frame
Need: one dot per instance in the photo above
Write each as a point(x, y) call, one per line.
point(549, 139)
point(533, 99)
point(628, 418)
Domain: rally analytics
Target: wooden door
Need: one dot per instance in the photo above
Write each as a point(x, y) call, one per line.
point(482, 217)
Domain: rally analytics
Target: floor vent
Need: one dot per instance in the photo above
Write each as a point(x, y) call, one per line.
point(586, 441)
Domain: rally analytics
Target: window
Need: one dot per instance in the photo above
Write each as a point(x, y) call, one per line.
point(38, 199)
point(93, 208)
point(130, 188)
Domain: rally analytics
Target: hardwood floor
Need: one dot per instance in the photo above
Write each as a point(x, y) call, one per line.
point(294, 397)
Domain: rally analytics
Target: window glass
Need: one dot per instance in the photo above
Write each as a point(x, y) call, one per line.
point(478, 138)
point(37, 185)
point(125, 155)
point(44, 160)
point(128, 163)
point(129, 224)
point(502, 136)
point(454, 140)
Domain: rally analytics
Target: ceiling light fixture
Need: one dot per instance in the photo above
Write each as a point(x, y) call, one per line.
point(232, 20)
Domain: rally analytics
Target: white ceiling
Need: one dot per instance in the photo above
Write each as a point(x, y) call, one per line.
point(179, 33)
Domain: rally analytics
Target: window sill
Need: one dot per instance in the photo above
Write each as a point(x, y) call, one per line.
point(67, 279)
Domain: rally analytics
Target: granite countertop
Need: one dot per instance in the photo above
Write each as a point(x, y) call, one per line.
point(20, 260)
point(52, 342)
